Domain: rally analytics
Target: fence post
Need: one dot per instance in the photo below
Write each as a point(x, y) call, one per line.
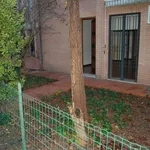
point(21, 117)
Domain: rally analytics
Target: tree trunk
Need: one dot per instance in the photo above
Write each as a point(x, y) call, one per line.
point(78, 110)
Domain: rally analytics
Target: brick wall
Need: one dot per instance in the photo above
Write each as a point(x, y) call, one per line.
point(87, 8)
point(56, 45)
point(56, 54)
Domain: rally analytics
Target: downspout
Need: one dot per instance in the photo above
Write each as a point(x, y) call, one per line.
point(105, 25)
point(105, 35)
point(40, 36)
point(41, 47)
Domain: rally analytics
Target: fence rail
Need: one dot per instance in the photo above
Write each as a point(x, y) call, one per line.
point(49, 128)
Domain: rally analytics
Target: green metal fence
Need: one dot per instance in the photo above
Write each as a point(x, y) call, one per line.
point(47, 128)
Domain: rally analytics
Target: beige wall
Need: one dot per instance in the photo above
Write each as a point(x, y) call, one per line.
point(56, 55)
point(87, 8)
point(100, 40)
point(144, 47)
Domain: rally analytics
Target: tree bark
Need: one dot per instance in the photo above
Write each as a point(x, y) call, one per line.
point(77, 80)
point(78, 109)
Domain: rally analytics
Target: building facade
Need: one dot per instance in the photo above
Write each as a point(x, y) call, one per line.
point(116, 41)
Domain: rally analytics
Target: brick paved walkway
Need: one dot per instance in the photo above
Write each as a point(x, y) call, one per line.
point(63, 83)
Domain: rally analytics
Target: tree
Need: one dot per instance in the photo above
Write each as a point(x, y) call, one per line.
point(37, 14)
point(78, 109)
point(17, 19)
point(11, 41)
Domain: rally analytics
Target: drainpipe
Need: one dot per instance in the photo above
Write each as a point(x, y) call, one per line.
point(105, 26)
point(41, 47)
point(105, 36)
point(40, 36)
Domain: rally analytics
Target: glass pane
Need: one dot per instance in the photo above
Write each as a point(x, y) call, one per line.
point(116, 46)
point(131, 47)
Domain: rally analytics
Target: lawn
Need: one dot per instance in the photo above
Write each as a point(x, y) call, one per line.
point(123, 114)
point(36, 81)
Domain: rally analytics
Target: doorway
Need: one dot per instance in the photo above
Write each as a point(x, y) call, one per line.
point(89, 45)
point(124, 46)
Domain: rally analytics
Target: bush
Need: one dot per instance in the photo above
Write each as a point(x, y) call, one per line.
point(7, 92)
point(4, 119)
point(11, 41)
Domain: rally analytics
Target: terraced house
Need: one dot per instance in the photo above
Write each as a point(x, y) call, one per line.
point(116, 41)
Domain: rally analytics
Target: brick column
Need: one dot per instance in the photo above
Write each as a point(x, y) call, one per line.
point(100, 39)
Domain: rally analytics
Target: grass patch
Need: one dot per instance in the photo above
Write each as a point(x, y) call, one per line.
point(123, 114)
point(106, 108)
point(36, 81)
